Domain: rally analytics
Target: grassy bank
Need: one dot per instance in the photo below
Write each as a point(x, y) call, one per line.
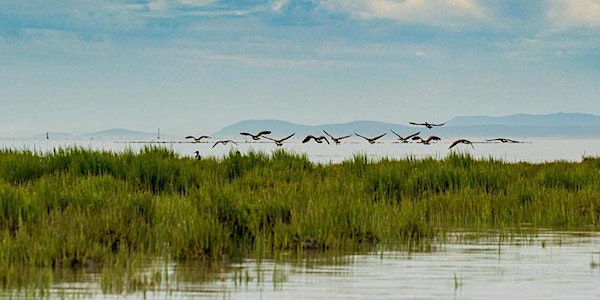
point(78, 208)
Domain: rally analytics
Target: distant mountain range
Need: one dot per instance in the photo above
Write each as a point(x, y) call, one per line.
point(518, 125)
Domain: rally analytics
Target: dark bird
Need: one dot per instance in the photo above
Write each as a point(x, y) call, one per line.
point(279, 142)
point(197, 156)
point(256, 137)
point(318, 139)
point(428, 125)
point(336, 140)
point(224, 142)
point(371, 140)
point(197, 139)
point(406, 138)
point(503, 140)
point(461, 141)
point(428, 140)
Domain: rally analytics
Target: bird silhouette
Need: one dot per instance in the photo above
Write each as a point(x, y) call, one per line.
point(336, 140)
point(279, 142)
point(197, 139)
point(224, 142)
point(503, 140)
point(426, 124)
point(257, 136)
point(318, 139)
point(461, 141)
point(428, 140)
point(197, 156)
point(371, 140)
point(406, 138)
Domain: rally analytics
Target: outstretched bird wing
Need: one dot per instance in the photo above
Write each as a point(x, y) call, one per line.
point(378, 137)
point(364, 137)
point(307, 138)
point(331, 136)
point(246, 133)
point(190, 137)
point(287, 137)
point(455, 143)
point(412, 135)
point(432, 138)
point(263, 132)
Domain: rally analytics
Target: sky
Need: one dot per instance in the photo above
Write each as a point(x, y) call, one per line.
point(196, 66)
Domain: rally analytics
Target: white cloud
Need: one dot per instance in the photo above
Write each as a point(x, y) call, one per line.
point(279, 4)
point(157, 5)
point(574, 13)
point(442, 13)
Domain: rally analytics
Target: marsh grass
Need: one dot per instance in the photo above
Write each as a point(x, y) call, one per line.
point(77, 208)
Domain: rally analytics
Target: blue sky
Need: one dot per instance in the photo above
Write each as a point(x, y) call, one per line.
point(195, 66)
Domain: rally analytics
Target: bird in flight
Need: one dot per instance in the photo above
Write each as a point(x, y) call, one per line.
point(318, 139)
point(224, 142)
point(256, 137)
point(197, 139)
point(371, 140)
point(426, 124)
point(503, 140)
point(406, 138)
point(461, 141)
point(336, 140)
point(428, 140)
point(279, 142)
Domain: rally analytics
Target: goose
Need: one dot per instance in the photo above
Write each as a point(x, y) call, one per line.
point(197, 155)
point(318, 139)
point(503, 140)
point(426, 124)
point(197, 139)
point(461, 141)
point(407, 138)
point(256, 137)
point(279, 142)
point(371, 140)
point(224, 142)
point(336, 140)
point(428, 140)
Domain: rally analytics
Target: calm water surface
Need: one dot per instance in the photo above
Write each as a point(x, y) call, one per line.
point(547, 265)
point(530, 150)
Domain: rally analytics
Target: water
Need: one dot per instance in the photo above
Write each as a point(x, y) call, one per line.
point(546, 265)
point(530, 150)
point(550, 265)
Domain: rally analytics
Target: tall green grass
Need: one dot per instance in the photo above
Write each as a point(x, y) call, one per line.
point(78, 208)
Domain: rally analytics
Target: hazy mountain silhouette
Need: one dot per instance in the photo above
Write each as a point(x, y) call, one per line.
point(517, 125)
point(282, 128)
point(549, 120)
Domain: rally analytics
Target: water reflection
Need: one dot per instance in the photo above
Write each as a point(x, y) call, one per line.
point(465, 266)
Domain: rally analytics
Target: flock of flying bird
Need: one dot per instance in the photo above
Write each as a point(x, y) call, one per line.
point(337, 140)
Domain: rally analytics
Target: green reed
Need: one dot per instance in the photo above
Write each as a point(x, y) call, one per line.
point(78, 208)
